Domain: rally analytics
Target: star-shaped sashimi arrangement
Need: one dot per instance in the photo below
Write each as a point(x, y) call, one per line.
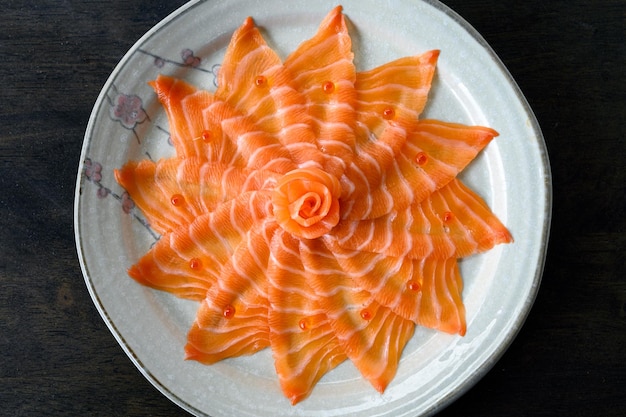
point(309, 210)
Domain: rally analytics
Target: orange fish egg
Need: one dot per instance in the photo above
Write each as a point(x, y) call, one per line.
point(447, 217)
point(303, 324)
point(414, 286)
point(260, 81)
point(421, 158)
point(229, 312)
point(195, 263)
point(206, 136)
point(177, 200)
point(328, 87)
point(389, 113)
point(366, 314)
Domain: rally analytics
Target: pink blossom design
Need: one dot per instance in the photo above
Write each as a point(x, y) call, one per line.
point(189, 58)
point(128, 110)
point(93, 171)
point(103, 192)
point(127, 203)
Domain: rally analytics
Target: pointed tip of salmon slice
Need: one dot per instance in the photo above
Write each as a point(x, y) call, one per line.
point(247, 23)
point(501, 235)
point(431, 57)
point(295, 397)
point(135, 272)
point(379, 385)
point(337, 10)
point(162, 83)
point(335, 19)
point(193, 354)
point(170, 88)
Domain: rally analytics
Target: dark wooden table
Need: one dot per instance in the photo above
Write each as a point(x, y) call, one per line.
point(57, 357)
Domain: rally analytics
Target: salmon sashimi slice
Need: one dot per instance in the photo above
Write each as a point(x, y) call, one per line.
point(260, 149)
point(303, 342)
point(139, 180)
point(309, 209)
point(233, 318)
point(254, 81)
point(170, 92)
point(367, 195)
point(172, 265)
point(247, 61)
point(371, 335)
point(414, 165)
point(188, 261)
point(222, 125)
point(390, 99)
point(427, 291)
point(323, 72)
point(454, 222)
point(176, 191)
point(214, 337)
point(205, 131)
point(394, 91)
point(191, 132)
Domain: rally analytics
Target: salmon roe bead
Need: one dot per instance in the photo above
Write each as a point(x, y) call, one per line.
point(177, 200)
point(448, 216)
point(195, 263)
point(260, 81)
point(421, 158)
point(328, 87)
point(206, 136)
point(303, 324)
point(389, 113)
point(229, 312)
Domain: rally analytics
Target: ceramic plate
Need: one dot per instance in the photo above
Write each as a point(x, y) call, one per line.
point(471, 86)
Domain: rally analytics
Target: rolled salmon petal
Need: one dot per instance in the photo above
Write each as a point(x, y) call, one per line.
point(303, 342)
point(371, 335)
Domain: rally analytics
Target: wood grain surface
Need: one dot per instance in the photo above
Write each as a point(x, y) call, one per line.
point(58, 358)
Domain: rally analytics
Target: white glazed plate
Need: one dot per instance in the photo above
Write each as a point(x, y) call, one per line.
point(471, 86)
